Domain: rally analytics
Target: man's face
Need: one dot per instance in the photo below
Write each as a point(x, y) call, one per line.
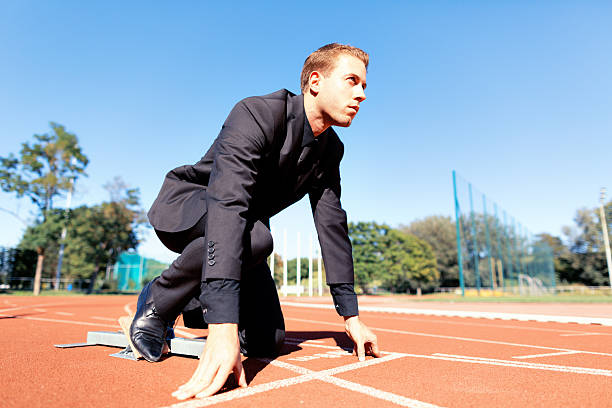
point(341, 91)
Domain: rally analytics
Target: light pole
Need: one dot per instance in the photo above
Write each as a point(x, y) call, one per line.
point(604, 228)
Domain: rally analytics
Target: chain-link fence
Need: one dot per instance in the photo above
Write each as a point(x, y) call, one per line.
point(495, 251)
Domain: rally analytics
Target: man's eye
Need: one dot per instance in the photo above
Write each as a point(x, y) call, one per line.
point(352, 79)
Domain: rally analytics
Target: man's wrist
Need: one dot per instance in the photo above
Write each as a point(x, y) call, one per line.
point(223, 328)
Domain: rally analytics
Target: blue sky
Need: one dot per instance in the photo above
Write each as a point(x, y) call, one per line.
point(514, 95)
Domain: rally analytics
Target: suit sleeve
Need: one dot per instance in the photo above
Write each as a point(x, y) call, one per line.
point(236, 158)
point(332, 229)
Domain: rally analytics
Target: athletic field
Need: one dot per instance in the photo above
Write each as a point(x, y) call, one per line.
point(435, 355)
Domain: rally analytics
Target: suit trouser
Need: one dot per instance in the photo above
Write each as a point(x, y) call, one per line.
point(261, 326)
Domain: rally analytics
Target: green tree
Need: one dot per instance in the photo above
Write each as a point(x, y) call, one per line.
point(96, 235)
point(43, 172)
point(43, 237)
point(587, 254)
point(369, 241)
point(409, 263)
point(441, 234)
point(106, 230)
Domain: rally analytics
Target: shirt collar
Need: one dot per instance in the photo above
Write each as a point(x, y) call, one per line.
point(309, 138)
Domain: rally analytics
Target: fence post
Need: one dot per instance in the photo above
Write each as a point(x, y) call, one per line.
point(457, 214)
point(475, 237)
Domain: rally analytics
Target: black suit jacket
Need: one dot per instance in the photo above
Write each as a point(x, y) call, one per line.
point(257, 167)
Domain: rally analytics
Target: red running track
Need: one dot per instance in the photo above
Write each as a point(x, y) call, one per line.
point(429, 362)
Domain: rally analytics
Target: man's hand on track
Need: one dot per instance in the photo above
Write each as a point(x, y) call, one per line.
point(221, 357)
point(365, 341)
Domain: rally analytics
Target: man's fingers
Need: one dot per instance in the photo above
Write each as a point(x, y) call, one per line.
point(374, 347)
point(240, 375)
point(203, 364)
point(360, 350)
point(216, 384)
point(201, 383)
point(194, 378)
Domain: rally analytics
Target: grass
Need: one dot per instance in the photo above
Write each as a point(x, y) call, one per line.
point(486, 296)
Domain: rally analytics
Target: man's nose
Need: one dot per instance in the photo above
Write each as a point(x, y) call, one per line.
point(360, 93)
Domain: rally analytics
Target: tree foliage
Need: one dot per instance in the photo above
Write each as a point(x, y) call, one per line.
point(586, 259)
point(45, 168)
point(409, 263)
point(96, 235)
point(401, 262)
point(369, 242)
point(441, 234)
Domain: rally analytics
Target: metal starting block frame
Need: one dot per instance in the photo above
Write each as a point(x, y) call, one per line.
point(177, 345)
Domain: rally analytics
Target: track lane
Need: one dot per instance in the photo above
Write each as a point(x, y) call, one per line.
point(89, 377)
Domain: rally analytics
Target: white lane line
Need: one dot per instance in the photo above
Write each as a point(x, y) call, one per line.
point(127, 309)
point(561, 353)
point(36, 305)
point(326, 376)
point(494, 326)
point(440, 336)
point(306, 375)
point(295, 343)
point(518, 364)
point(42, 319)
point(458, 313)
point(64, 313)
point(242, 392)
point(186, 334)
point(107, 319)
point(374, 392)
point(303, 340)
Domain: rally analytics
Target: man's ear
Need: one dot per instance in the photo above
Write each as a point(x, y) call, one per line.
point(314, 81)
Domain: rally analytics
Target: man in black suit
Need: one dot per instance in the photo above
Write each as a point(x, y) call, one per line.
point(271, 151)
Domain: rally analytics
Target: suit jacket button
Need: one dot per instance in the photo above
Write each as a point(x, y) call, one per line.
point(211, 244)
point(211, 262)
point(211, 256)
point(211, 250)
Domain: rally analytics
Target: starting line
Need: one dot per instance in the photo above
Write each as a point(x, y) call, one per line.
point(177, 345)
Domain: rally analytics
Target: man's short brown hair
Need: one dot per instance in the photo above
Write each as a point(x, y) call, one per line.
point(324, 60)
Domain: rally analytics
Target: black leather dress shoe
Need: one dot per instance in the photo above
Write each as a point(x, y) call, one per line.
point(148, 330)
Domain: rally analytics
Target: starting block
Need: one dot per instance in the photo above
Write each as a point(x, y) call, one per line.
point(176, 345)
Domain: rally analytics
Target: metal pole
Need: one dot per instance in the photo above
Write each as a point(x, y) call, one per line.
point(500, 252)
point(140, 268)
point(484, 206)
point(284, 262)
point(272, 256)
point(459, 258)
point(475, 238)
point(518, 266)
point(297, 272)
point(310, 267)
point(60, 256)
point(604, 228)
point(319, 273)
point(507, 234)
